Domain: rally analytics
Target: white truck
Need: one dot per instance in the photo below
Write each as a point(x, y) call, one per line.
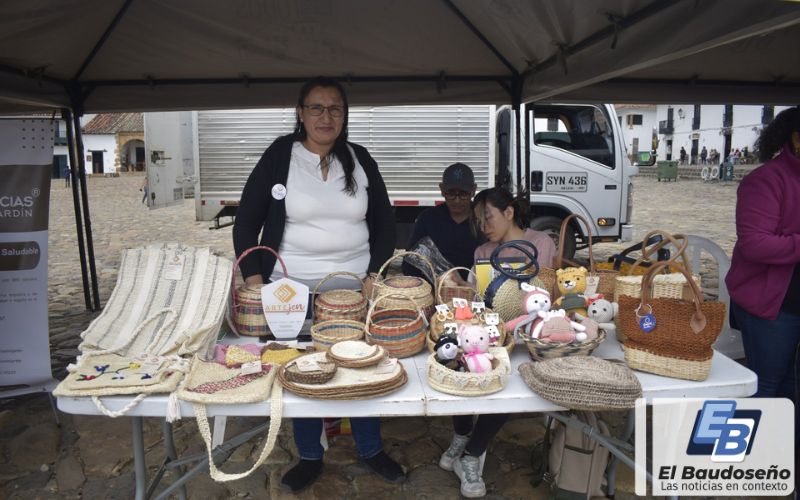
point(573, 158)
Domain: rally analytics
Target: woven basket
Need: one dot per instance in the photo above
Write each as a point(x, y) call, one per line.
point(356, 354)
point(606, 284)
point(294, 374)
point(247, 312)
point(401, 287)
point(508, 342)
point(327, 333)
point(449, 381)
point(400, 331)
point(446, 293)
point(539, 350)
point(683, 334)
point(583, 383)
point(339, 304)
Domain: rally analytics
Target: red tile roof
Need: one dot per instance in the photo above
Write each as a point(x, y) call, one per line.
point(113, 123)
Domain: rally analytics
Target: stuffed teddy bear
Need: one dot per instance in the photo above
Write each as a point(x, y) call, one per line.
point(446, 350)
point(572, 285)
point(535, 300)
point(557, 327)
point(474, 341)
point(601, 312)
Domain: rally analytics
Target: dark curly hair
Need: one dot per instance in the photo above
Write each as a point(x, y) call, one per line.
point(778, 133)
point(340, 151)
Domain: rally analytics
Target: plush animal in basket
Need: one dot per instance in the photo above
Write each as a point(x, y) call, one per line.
point(537, 299)
point(572, 285)
point(474, 341)
point(602, 313)
point(446, 349)
point(557, 327)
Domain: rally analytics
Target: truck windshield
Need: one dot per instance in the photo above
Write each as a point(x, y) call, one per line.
point(583, 130)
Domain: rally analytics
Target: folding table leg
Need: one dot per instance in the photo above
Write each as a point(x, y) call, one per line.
point(169, 448)
point(218, 434)
point(139, 469)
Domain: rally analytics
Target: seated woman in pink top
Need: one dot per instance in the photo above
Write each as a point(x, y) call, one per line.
point(502, 218)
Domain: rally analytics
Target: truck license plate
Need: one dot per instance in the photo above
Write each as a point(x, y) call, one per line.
point(561, 182)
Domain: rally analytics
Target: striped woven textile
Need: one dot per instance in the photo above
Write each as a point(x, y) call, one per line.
point(150, 280)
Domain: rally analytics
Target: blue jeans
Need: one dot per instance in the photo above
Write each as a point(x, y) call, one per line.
point(366, 434)
point(771, 348)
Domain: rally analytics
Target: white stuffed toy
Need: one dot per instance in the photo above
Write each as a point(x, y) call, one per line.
point(601, 312)
point(557, 327)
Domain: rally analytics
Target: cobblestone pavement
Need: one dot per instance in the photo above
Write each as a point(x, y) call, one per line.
point(89, 457)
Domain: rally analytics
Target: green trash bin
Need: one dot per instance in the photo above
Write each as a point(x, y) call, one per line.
point(667, 170)
point(726, 171)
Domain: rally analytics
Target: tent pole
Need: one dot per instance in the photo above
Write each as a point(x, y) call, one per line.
point(86, 218)
point(66, 115)
point(516, 101)
point(528, 135)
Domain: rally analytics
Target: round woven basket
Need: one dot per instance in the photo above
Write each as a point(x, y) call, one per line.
point(449, 381)
point(507, 343)
point(400, 331)
point(294, 374)
point(356, 354)
point(539, 350)
point(401, 287)
point(509, 298)
point(327, 333)
point(445, 293)
point(246, 310)
point(339, 304)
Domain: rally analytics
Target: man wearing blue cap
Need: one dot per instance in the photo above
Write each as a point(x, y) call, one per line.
point(448, 224)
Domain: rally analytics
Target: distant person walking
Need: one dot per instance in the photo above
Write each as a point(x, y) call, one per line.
point(145, 189)
point(683, 155)
point(67, 175)
point(703, 155)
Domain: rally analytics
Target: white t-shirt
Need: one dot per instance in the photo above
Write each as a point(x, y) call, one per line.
point(326, 228)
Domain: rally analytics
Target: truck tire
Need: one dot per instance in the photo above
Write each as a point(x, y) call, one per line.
point(551, 225)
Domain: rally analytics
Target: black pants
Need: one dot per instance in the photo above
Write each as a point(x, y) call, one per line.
point(483, 431)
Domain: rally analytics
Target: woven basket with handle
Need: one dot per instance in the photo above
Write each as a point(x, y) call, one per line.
point(327, 333)
point(246, 311)
point(339, 304)
point(402, 287)
point(446, 291)
point(679, 345)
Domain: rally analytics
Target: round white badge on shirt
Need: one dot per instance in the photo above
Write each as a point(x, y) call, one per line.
point(279, 191)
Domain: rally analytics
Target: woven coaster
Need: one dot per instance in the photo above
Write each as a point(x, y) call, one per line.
point(583, 383)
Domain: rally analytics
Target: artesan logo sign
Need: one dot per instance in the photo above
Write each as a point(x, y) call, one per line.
point(723, 432)
point(284, 293)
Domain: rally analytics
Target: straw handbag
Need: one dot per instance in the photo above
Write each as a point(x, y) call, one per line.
point(449, 381)
point(193, 283)
point(583, 383)
point(247, 312)
point(446, 292)
point(606, 277)
point(339, 304)
point(401, 331)
point(327, 333)
point(503, 294)
point(401, 287)
point(669, 336)
point(211, 383)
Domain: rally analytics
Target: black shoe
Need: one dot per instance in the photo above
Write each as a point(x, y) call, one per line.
point(382, 465)
point(302, 475)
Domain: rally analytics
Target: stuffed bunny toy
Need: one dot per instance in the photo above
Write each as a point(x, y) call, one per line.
point(535, 300)
point(601, 312)
point(557, 327)
point(474, 341)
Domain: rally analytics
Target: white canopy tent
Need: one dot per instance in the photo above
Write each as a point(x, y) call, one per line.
point(84, 56)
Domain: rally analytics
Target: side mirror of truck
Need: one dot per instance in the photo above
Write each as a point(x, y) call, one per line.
point(645, 159)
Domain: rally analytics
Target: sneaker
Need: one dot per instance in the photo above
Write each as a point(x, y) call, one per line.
point(468, 470)
point(383, 465)
point(302, 475)
point(455, 450)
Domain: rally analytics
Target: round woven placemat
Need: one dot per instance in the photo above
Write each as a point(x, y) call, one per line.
point(294, 374)
point(583, 383)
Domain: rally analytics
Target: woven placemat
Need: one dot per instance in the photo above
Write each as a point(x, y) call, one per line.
point(583, 383)
point(355, 354)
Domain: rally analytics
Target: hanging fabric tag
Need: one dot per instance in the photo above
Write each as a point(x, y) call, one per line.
point(386, 366)
point(647, 323)
point(173, 269)
point(592, 282)
point(251, 367)
point(307, 365)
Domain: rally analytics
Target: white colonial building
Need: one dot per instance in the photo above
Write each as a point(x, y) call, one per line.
point(639, 126)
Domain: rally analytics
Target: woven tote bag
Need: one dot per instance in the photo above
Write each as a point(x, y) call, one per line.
point(399, 330)
point(341, 304)
point(504, 294)
point(246, 309)
point(210, 383)
point(667, 336)
point(191, 282)
point(400, 287)
point(606, 276)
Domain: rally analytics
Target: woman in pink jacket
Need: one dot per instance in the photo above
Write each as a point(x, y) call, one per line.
point(764, 280)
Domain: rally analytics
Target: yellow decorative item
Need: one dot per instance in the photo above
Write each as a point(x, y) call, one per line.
point(235, 356)
point(278, 354)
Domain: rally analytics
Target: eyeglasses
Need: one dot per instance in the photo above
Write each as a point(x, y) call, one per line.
point(317, 110)
point(461, 195)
